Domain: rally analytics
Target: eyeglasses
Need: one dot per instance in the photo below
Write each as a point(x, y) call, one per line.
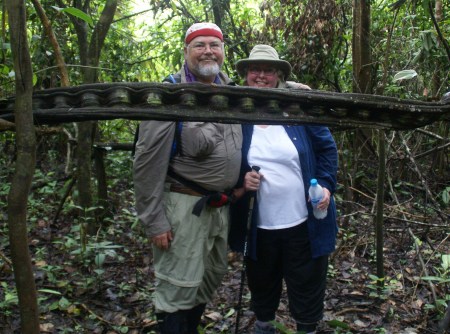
point(256, 70)
point(201, 47)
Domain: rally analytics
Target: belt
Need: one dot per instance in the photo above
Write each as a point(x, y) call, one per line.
point(211, 199)
point(179, 188)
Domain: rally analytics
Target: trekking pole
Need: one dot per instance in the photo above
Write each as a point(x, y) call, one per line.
point(244, 261)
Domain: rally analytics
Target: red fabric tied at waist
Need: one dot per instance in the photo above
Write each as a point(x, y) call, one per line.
point(218, 200)
point(214, 200)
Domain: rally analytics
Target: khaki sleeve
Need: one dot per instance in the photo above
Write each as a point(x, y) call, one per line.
point(149, 173)
point(198, 139)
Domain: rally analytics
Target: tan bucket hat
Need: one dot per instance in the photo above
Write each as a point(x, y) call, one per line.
point(263, 54)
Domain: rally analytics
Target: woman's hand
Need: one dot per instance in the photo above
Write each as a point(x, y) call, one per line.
point(323, 204)
point(252, 181)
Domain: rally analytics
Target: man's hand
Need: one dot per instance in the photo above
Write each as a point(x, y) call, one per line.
point(163, 241)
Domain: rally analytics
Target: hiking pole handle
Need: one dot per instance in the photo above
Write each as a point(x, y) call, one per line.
point(251, 203)
point(256, 168)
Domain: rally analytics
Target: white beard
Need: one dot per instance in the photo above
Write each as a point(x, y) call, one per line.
point(209, 70)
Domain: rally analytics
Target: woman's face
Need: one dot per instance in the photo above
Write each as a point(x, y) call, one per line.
point(262, 75)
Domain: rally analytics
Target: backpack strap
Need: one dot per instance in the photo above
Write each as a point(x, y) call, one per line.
point(173, 78)
point(176, 145)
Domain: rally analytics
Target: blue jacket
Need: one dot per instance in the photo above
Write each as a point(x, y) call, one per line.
point(318, 159)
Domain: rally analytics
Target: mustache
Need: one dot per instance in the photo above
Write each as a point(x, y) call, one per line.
point(208, 58)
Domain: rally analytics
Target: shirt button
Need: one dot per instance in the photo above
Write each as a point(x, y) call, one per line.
point(295, 138)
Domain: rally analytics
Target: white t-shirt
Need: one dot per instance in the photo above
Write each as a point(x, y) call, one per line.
point(281, 196)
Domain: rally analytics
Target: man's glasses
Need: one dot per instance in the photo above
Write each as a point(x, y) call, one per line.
point(266, 70)
point(201, 47)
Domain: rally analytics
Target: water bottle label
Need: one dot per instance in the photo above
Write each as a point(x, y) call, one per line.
point(314, 202)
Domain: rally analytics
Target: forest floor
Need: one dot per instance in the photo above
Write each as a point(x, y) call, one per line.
point(107, 286)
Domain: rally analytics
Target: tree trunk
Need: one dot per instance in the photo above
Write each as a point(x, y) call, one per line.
point(361, 47)
point(440, 157)
point(83, 158)
point(362, 83)
point(102, 185)
point(90, 55)
point(25, 164)
point(53, 41)
point(437, 81)
point(361, 79)
point(219, 8)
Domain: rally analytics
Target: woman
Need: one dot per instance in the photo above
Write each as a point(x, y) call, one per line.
point(286, 241)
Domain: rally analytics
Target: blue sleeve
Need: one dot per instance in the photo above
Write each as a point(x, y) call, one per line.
point(326, 154)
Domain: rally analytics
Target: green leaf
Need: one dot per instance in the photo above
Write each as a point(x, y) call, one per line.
point(405, 75)
point(99, 271)
point(58, 9)
point(54, 292)
point(64, 303)
point(54, 306)
point(4, 70)
point(436, 279)
point(445, 261)
point(427, 39)
point(100, 259)
point(338, 324)
point(446, 195)
point(229, 313)
point(77, 13)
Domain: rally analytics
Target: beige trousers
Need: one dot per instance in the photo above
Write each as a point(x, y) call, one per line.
point(189, 272)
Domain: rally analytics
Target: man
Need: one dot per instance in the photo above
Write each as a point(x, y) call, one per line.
point(189, 249)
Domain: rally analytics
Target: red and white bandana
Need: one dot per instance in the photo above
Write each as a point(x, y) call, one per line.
point(203, 29)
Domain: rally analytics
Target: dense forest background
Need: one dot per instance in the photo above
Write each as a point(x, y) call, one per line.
point(90, 261)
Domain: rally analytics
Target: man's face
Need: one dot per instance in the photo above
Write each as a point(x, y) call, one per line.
point(262, 76)
point(204, 56)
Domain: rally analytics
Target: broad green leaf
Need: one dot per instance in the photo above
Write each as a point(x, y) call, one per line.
point(428, 42)
point(64, 303)
point(54, 306)
point(436, 279)
point(405, 75)
point(54, 292)
point(337, 324)
point(100, 259)
point(446, 195)
point(229, 313)
point(77, 13)
point(4, 69)
point(445, 261)
point(99, 271)
point(58, 9)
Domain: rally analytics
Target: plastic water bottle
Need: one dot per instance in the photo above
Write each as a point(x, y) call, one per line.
point(316, 195)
